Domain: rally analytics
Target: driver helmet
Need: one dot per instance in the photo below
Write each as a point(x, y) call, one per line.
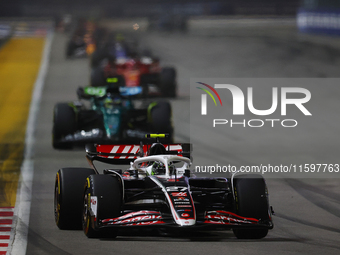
point(158, 168)
point(112, 101)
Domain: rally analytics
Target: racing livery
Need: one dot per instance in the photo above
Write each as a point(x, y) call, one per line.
point(111, 115)
point(119, 61)
point(157, 190)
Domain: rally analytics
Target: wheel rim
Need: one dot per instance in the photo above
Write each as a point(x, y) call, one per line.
point(85, 210)
point(56, 202)
point(85, 218)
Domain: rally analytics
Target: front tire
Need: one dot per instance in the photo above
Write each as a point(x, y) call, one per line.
point(68, 192)
point(107, 192)
point(251, 200)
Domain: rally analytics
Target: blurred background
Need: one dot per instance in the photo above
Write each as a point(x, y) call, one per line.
point(217, 17)
point(204, 39)
point(116, 8)
point(312, 15)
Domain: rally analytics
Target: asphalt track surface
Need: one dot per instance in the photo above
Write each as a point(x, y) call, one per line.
point(307, 210)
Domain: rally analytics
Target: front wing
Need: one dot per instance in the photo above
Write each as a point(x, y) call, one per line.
point(211, 219)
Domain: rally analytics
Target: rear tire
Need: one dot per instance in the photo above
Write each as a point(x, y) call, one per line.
point(68, 192)
point(168, 82)
point(64, 123)
point(97, 57)
point(98, 77)
point(70, 48)
point(161, 119)
point(251, 200)
point(107, 189)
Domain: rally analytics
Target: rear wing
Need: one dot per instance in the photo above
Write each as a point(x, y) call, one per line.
point(126, 153)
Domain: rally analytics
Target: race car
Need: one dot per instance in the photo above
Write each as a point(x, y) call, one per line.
point(157, 190)
point(84, 39)
point(120, 60)
point(111, 115)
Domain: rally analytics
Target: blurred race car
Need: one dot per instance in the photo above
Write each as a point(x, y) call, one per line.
point(120, 60)
point(111, 115)
point(157, 190)
point(84, 39)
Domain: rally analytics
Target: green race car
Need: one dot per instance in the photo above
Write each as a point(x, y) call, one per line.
point(109, 114)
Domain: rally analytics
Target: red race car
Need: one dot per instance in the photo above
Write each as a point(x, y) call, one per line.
point(117, 63)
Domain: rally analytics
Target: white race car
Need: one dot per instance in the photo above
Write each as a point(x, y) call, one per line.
point(157, 190)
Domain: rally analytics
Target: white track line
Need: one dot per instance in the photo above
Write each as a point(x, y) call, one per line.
point(18, 241)
point(6, 209)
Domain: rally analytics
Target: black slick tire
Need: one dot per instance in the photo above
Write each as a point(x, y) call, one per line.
point(161, 118)
point(251, 201)
point(68, 197)
point(107, 192)
point(98, 77)
point(64, 123)
point(168, 82)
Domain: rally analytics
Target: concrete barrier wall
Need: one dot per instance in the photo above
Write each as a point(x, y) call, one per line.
point(5, 33)
point(319, 21)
